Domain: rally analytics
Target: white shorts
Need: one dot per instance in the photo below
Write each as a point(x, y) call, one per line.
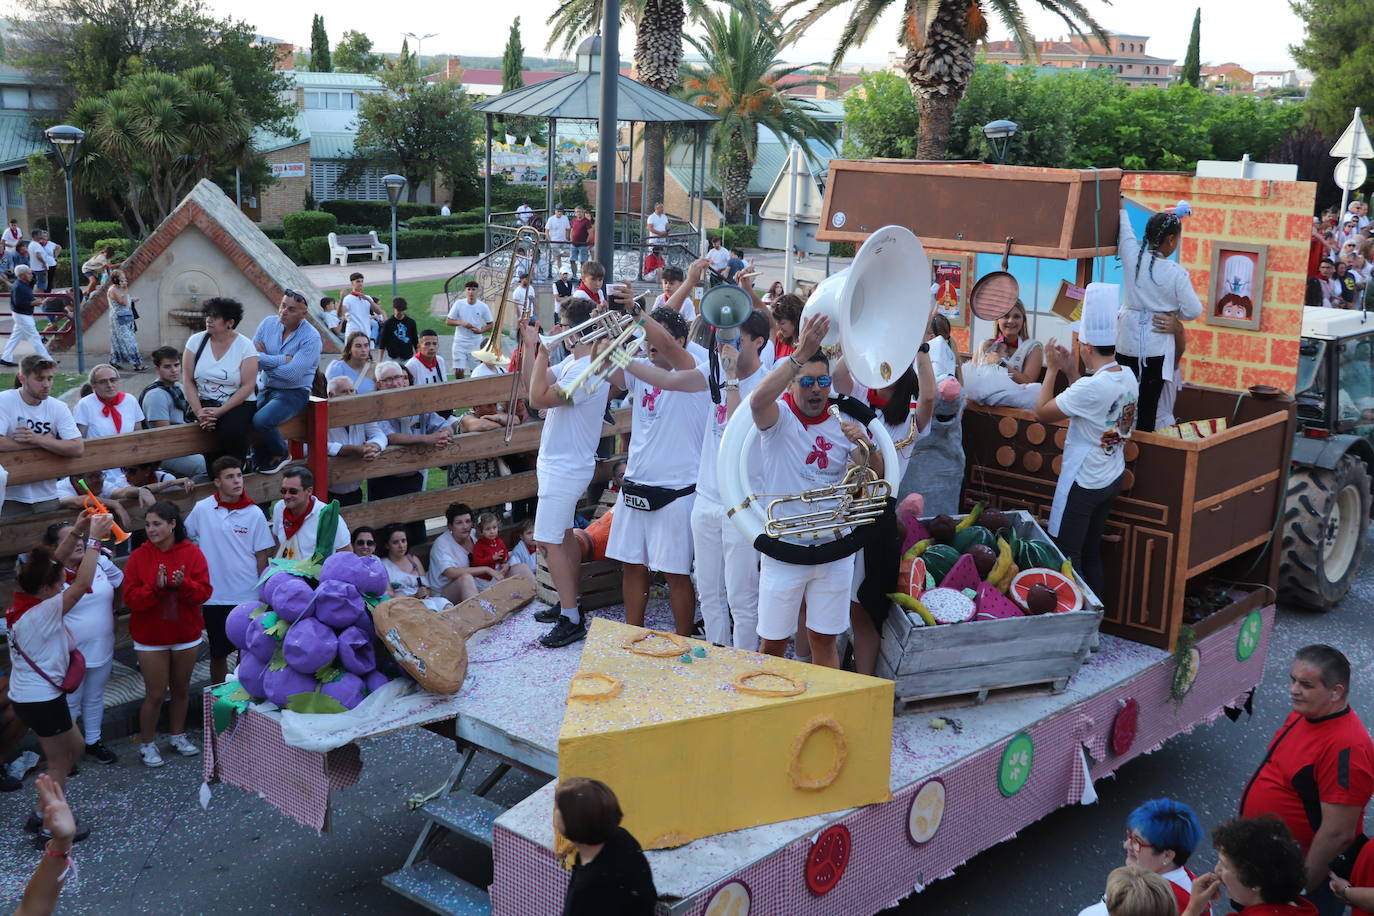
point(557, 507)
point(140, 647)
point(660, 540)
point(463, 359)
point(783, 587)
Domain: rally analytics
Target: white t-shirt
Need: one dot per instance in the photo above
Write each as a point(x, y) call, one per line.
point(657, 222)
point(558, 228)
point(688, 310)
point(44, 639)
point(708, 483)
point(567, 443)
point(89, 413)
point(114, 480)
point(358, 314)
point(526, 298)
point(719, 258)
point(942, 358)
point(424, 375)
point(897, 432)
point(445, 553)
point(50, 416)
point(44, 256)
point(801, 458)
point(91, 619)
point(1101, 411)
point(1160, 285)
point(230, 539)
point(302, 546)
point(465, 341)
point(665, 433)
point(218, 379)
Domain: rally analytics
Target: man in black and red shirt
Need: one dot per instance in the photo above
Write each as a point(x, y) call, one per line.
point(1319, 772)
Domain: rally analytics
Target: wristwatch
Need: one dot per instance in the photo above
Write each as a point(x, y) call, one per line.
point(731, 384)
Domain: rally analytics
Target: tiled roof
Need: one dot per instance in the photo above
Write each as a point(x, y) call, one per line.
point(18, 138)
point(485, 77)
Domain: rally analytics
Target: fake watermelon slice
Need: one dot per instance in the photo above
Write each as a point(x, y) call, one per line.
point(911, 577)
point(948, 605)
point(1068, 597)
point(915, 532)
point(963, 574)
point(991, 604)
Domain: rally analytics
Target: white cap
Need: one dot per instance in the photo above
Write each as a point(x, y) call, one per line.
point(1101, 303)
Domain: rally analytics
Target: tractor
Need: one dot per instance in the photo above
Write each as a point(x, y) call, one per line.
point(1328, 505)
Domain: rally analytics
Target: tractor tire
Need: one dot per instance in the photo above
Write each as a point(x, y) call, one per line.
point(1324, 526)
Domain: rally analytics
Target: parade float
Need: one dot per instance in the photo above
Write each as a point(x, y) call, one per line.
point(760, 785)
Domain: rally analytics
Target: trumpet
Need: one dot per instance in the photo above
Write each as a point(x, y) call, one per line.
point(618, 354)
point(597, 327)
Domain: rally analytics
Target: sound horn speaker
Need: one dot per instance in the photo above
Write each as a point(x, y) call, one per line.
point(878, 307)
point(726, 306)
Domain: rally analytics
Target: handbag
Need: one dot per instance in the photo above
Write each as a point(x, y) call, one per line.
point(76, 668)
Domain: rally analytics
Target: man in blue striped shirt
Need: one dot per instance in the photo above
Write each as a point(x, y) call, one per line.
point(288, 355)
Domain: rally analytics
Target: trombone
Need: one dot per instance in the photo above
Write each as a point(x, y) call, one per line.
point(859, 499)
point(490, 352)
point(617, 354)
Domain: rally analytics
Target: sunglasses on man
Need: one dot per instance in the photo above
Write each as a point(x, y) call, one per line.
point(808, 381)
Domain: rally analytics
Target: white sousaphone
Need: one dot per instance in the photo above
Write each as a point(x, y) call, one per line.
point(878, 310)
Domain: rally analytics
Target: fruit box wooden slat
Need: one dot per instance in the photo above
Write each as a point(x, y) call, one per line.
point(951, 659)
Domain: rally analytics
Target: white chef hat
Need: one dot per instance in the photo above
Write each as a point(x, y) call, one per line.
point(1101, 303)
point(1238, 272)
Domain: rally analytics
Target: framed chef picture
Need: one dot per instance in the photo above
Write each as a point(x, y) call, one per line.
point(1236, 294)
point(950, 278)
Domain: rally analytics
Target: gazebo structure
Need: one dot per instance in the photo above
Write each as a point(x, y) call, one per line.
point(577, 97)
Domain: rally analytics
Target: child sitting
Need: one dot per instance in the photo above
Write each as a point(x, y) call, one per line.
point(524, 550)
point(490, 551)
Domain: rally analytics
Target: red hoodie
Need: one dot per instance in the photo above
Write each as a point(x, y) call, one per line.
point(166, 616)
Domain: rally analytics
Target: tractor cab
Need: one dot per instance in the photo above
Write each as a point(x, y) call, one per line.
point(1335, 388)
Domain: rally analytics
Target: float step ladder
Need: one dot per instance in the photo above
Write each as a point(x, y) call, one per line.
point(450, 810)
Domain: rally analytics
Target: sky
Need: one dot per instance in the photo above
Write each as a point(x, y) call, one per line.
point(1253, 33)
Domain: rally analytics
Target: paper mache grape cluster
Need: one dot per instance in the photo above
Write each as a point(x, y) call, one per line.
point(313, 649)
point(977, 568)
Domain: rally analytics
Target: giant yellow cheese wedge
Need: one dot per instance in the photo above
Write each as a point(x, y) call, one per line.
point(729, 740)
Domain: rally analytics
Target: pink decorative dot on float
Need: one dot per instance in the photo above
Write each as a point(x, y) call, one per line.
point(1125, 726)
point(828, 859)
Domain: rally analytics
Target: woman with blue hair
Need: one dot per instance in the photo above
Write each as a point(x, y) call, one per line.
point(1161, 835)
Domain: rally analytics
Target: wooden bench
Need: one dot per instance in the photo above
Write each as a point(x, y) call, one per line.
point(341, 246)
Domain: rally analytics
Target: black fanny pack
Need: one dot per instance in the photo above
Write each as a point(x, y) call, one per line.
point(650, 499)
point(1344, 864)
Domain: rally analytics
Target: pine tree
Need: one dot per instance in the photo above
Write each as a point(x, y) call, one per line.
point(513, 61)
point(319, 46)
point(1191, 71)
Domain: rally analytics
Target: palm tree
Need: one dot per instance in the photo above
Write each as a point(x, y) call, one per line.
point(742, 82)
point(939, 38)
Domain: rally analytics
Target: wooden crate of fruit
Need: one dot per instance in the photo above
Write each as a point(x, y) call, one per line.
point(990, 641)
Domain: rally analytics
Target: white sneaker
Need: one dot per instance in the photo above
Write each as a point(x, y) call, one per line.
point(183, 746)
point(151, 758)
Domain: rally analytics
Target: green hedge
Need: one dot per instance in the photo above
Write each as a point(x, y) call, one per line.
point(468, 242)
point(426, 243)
point(375, 214)
point(121, 245)
point(273, 232)
point(444, 223)
point(358, 229)
point(314, 251)
point(290, 248)
point(842, 249)
point(88, 231)
point(736, 235)
point(306, 224)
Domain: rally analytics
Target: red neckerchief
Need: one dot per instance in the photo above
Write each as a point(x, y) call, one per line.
point(243, 502)
point(71, 577)
point(109, 410)
point(428, 363)
point(805, 420)
point(291, 523)
point(876, 400)
point(597, 296)
point(22, 603)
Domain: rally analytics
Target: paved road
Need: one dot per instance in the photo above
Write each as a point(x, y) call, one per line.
point(155, 851)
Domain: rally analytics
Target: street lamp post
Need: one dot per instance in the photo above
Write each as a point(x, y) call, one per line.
point(419, 41)
point(394, 185)
point(622, 152)
point(66, 145)
point(999, 134)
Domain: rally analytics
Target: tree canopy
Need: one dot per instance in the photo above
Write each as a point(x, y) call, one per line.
point(1337, 49)
point(354, 54)
point(880, 118)
point(513, 61)
point(417, 129)
point(1191, 71)
point(319, 46)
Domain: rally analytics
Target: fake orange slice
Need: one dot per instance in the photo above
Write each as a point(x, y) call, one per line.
point(1067, 596)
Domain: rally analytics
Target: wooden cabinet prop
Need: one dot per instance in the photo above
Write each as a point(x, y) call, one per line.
point(1048, 213)
point(982, 656)
point(1186, 507)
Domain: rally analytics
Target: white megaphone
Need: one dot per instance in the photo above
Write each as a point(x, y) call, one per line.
point(878, 307)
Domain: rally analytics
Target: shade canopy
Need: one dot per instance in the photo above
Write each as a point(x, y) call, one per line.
point(577, 97)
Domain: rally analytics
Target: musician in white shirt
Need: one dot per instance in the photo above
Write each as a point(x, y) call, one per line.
point(807, 448)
